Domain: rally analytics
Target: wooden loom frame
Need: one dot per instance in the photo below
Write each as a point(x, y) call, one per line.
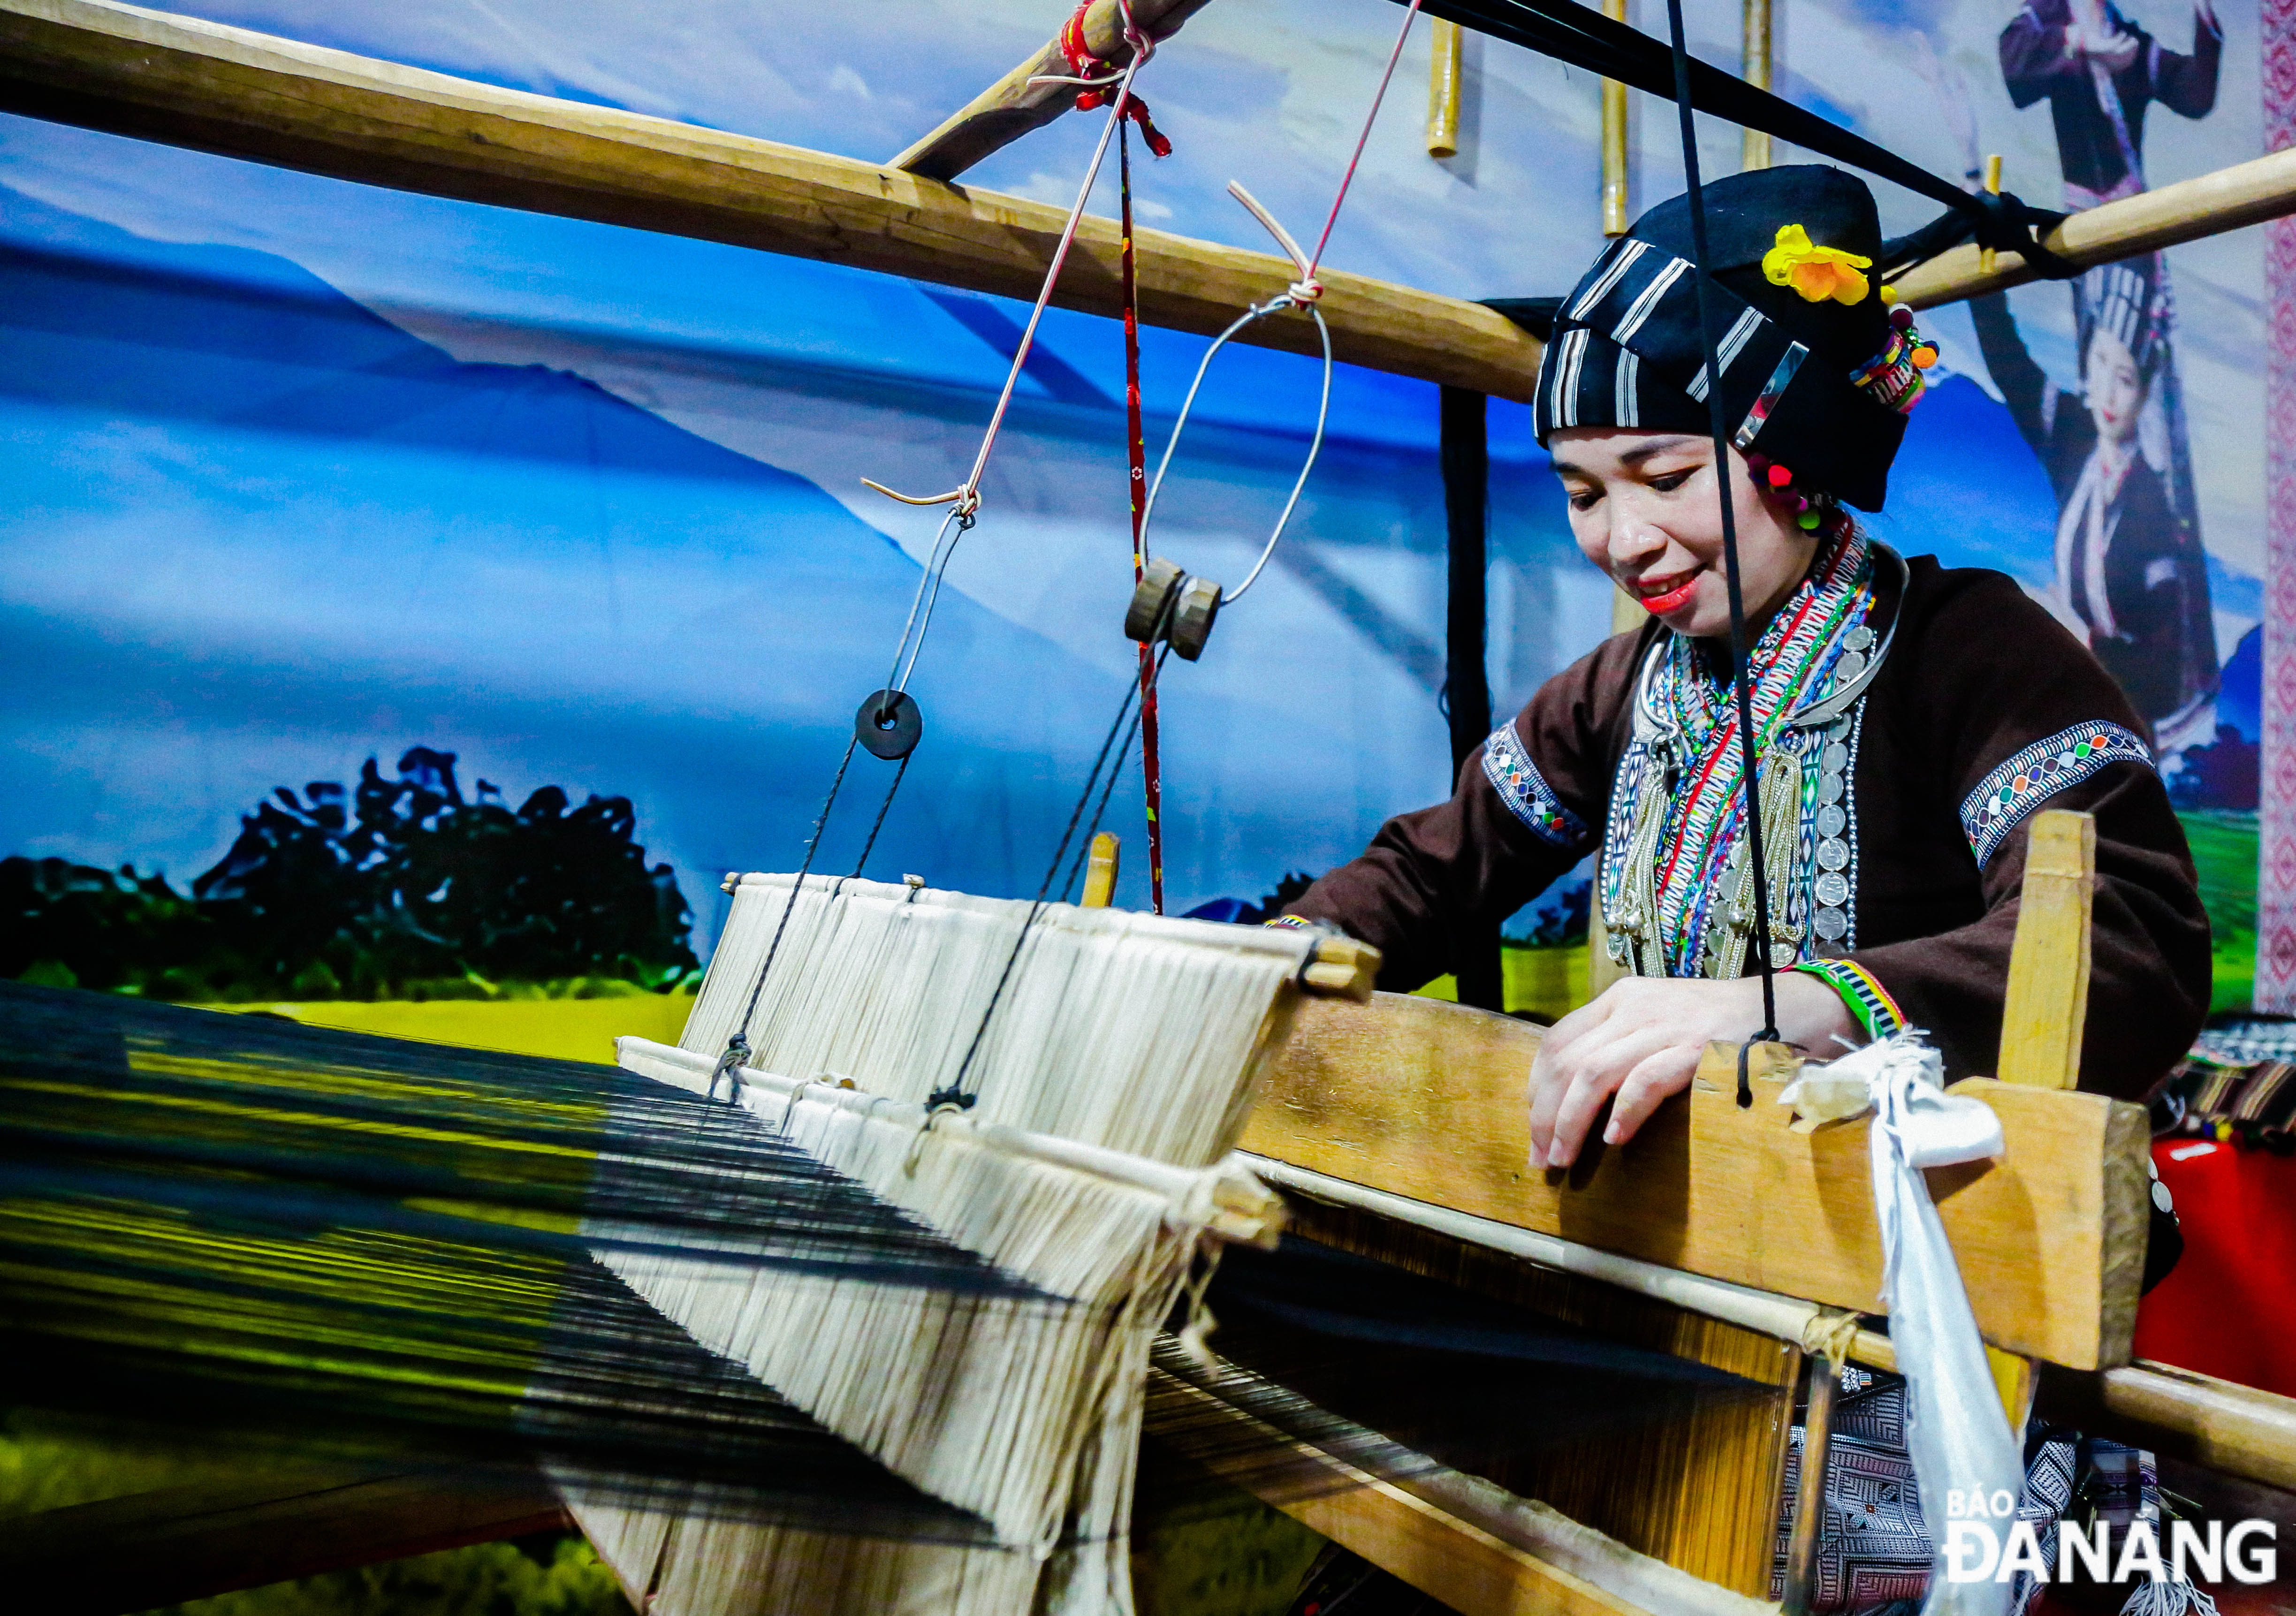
point(1412, 1111)
point(147, 74)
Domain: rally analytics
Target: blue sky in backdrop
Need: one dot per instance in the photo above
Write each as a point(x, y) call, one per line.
point(306, 471)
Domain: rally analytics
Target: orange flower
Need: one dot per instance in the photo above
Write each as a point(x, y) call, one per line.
point(1817, 273)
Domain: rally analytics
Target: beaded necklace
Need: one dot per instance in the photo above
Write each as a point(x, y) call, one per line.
point(1673, 857)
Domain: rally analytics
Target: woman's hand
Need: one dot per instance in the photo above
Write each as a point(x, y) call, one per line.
point(1641, 1041)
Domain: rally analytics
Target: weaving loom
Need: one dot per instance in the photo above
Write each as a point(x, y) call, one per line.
point(1021, 1125)
point(1113, 1071)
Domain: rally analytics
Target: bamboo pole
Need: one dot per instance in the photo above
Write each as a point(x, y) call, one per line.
point(1012, 106)
point(2246, 194)
point(1615, 216)
point(1754, 144)
point(189, 83)
point(1446, 64)
point(1809, 1486)
point(2236, 1429)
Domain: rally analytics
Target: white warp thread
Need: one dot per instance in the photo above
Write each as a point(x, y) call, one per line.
point(1116, 1074)
point(1955, 1429)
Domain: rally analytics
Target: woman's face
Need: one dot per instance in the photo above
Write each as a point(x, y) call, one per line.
point(1642, 509)
point(2113, 387)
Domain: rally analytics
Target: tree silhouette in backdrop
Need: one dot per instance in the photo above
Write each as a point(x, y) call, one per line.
point(392, 885)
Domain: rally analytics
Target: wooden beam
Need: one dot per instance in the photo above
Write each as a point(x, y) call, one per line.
point(1426, 1100)
point(2236, 1429)
point(162, 1548)
point(131, 71)
point(1009, 108)
point(2246, 194)
point(1463, 1562)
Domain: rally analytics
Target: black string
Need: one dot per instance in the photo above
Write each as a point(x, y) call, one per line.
point(740, 1038)
point(1585, 38)
point(1127, 724)
point(1092, 831)
point(1741, 659)
point(883, 809)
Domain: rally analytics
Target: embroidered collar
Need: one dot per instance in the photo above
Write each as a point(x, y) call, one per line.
point(1679, 807)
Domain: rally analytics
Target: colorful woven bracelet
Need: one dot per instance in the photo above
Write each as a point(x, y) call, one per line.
point(1876, 1012)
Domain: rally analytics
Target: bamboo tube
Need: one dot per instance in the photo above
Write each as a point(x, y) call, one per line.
point(1445, 66)
point(1754, 146)
point(2246, 194)
point(1986, 256)
point(1100, 871)
point(1615, 220)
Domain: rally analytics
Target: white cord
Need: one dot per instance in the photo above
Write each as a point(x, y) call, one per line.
point(1289, 299)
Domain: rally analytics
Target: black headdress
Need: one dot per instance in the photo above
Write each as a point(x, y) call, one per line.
point(1625, 350)
point(2125, 299)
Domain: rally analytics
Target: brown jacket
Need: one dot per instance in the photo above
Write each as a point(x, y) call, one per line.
point(1977, 675)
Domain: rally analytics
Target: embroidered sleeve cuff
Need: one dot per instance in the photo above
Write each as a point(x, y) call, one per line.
point(1870, 1002)
point(2005, 796)
point(1508, 765)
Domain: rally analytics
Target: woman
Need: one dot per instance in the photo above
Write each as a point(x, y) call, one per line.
point(2130, 571)
point(1911, 718)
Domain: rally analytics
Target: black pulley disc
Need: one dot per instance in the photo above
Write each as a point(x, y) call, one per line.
point(890, 724)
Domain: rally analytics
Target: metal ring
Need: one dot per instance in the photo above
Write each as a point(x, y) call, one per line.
point(890, 724)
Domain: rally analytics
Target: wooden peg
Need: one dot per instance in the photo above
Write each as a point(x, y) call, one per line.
point(2046, 1004)
point(1985, 257)
point(1444, 68)
point(1343, 967)
point(1100, 870)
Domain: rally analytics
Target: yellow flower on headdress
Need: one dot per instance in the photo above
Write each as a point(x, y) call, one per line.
point(1817, 273)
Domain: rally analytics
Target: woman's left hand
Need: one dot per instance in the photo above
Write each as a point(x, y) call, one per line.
point(1641, 1041)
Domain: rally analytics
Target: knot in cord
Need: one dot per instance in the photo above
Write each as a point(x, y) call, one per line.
point(729, 1067)
point(1097, 75)
point(2007, 223)
point(1830, 1335)
point(950, 1102)
point(1304, 292)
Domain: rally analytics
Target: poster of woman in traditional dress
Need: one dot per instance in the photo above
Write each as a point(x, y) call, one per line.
point(2131, 569)
point(2130, 574)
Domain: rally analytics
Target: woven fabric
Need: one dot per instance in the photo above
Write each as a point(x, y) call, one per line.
point(1876, 1012)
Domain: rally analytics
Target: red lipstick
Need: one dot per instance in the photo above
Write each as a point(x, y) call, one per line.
point(1673, 596)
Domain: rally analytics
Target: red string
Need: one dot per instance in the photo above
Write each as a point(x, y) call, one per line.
point(1150, 767)
point(1084, 64)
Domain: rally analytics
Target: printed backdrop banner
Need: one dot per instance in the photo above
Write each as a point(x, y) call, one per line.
point(305, 471)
